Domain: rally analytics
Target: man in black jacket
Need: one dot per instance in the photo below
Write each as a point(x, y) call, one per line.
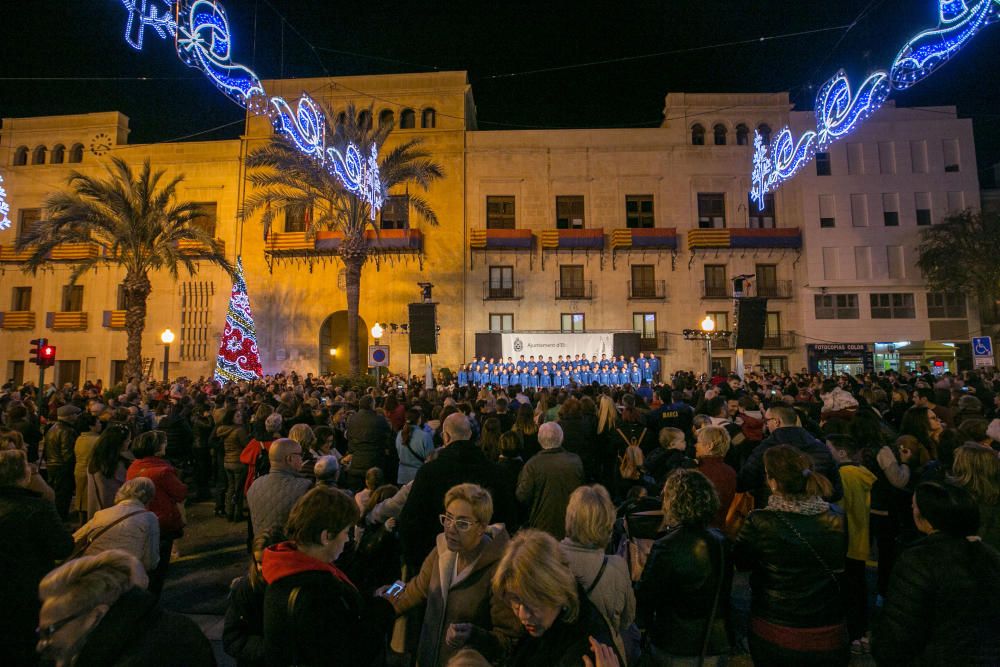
point(368, 440)
point(458, 462)
point(60, 458)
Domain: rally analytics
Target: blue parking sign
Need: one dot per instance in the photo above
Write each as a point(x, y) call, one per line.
point(982, 351)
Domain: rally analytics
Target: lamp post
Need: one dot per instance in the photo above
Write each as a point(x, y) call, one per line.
point(708, 326)
point(167, 337)
point(377, 334)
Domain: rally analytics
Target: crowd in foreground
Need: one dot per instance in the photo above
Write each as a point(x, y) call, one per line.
point(471, 525)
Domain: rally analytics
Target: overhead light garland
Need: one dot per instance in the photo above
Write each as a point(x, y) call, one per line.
point(839, 110)
point(204, 42)
point(4, 207)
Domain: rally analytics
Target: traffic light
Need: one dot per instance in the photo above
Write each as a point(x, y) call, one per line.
point(47, 356)
point(36, 351)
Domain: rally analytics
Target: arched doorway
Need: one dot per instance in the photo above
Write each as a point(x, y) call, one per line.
point(333, 348)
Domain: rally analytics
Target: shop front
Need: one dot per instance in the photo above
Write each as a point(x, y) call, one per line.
point(836, 358)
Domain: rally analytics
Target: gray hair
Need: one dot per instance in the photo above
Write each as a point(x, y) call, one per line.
point(273, 422)
point(457, 426)
point(89, 581)
point(550, 435)
point(139, 488)
point(327, 469)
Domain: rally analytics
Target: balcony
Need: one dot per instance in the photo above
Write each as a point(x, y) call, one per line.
point(509, 292)
point(783, 340)
point(114, 319)
point(716, 291)
point(782, 238)
point(582, 290)
point(651, 290)
point(501, 239)
point(17, 319)
point(780, 289)
point(195, 249)
point(66, 321)
point(657, 343)
point(66, 252)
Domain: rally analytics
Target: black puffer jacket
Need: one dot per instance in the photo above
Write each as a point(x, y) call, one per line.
point(678, 588)
point(368, 440)
point(790, 585)
point(943, 605)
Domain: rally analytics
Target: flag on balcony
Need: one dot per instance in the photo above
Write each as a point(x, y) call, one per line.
point(238, 356)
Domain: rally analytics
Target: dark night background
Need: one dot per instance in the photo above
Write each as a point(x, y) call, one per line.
point(68, 56)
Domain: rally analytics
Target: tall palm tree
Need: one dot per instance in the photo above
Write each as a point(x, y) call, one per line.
point(138, 224)
point(283, 177)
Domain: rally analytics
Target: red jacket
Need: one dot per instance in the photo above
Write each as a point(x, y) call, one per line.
point(248, 457)
point(170, 491)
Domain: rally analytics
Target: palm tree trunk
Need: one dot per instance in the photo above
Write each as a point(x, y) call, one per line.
point(353, 252)
point(137, 289)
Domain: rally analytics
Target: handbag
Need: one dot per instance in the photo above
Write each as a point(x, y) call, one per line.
point(80, 546)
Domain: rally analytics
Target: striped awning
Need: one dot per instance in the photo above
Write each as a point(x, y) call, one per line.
point(786, 237)
point(114, 319)
point(501, 239)
point(17, 319)
point(66, 321)
point(573, 239)
point(387, 239)
point(653, 239)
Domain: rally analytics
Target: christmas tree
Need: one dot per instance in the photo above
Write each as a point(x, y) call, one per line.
point(238, 357)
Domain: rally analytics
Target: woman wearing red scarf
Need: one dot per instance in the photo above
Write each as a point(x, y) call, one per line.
point(313, 613)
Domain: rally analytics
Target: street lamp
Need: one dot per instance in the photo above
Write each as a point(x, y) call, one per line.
point(707, 333)
point(708, 324)
point(167, 337)
point(377, 334)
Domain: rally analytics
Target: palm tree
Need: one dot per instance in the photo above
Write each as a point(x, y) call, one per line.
point(283, 177)
point(138, 225)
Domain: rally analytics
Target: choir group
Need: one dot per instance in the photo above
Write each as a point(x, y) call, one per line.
point(534, 373)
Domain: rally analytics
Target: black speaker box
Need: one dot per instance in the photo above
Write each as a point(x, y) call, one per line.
point(423, 321)
point(488, 345)
point(626, 344)
point(751, 320)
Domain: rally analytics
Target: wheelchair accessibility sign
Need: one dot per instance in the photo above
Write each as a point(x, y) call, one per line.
point(982, 351)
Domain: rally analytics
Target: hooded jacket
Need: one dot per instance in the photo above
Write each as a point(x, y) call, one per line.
point(329, 622)
point(467, 599)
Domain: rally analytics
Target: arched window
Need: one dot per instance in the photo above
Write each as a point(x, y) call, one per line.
point(365, 119)
point(58, 154)
point(407, 119)
point(38, 155)
point(387, 118)
point(742, 135)
point(21, 156)
point(428, 118)
point(342, 118)
point(76, 153)
point(765, 132)
point(697, 135)
point(720, 134)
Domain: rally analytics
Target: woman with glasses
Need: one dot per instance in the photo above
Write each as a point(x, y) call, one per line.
point(96, 611)
point(454, 583)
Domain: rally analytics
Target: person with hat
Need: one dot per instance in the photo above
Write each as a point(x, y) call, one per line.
point(60, 457)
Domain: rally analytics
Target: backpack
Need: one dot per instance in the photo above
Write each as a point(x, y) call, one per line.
point(630, 463)
point(261, 464)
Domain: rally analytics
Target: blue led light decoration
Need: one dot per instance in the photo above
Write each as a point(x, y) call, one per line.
point(4, 207)
point(839, 109)
point(203, 39)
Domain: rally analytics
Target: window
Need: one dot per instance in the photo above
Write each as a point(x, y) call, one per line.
point(896, 306)
point(15, 372)
point(715, 280)
point(855, 159)
point(364, 119)
point(859, 210)
point(918, 156)
point(823, 167)
point(501, 282)
point(831, 267)
point(395, 212)
point(501, 321)
point(697, 135)
point(742, 135)
point(296, 217)
point(428, 118)
point(407, 119)
point(72, 298)
point(951, 157)
point(29, 216)
point(767, 280)
point(387, 118)
point(772, 325)
point(711, 210)
point(38, 155)
point(644, 324)
point(118, 371)
point(774, 364)
point(68, 372)
point(569, 212)
point(827, 211)
point(20, 299)
point(721, 319)
point(945, 305)
point(894, 261)
point(956, 201)
point(643, 281)
point(863, 262)
point(639, 211)
point(573, 322)
point(58, 154)
point(76, 153)
point(571, 284)
point(719, 132)
point(195, 341)
point(890, 209)
point(206, 218)
point(21, 156)
point(762, 219)
point(923, 204)
point(342, 118)
point(765, 132)
point(121, 303)
point(836, 306)
point(886, 157)
point(499, 212)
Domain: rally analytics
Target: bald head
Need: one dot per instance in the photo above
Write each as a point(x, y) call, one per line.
point(285, 454)
point(456, 427)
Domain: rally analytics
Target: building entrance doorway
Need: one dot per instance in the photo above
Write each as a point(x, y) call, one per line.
point(334, 356)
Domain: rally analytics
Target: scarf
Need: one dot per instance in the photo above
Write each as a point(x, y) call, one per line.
point(807, 506)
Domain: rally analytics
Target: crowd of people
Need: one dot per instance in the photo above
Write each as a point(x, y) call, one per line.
point(518, 523)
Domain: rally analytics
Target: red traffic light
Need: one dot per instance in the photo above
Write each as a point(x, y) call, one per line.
point(47, 356)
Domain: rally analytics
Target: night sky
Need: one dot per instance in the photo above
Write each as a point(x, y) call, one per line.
point(74, 59)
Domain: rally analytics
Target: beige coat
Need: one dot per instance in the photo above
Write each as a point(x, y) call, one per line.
point(138, 535)
point(469, 599)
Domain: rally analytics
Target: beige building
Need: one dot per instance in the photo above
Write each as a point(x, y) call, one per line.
point(554, 230)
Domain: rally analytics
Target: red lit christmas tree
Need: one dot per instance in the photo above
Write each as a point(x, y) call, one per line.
point(238, 356)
